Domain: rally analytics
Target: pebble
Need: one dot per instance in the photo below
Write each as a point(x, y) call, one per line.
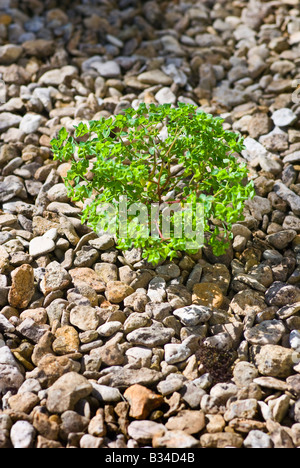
point(193, 315)
point(66, 392)
point(22, 435)
point(284, 117)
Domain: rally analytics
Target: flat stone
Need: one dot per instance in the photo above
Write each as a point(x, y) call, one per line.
point(157, 289)
point(144, 431)
point(289, 196)
point(56, 77)
point(41, 246)
point(106, 394)
point(280, 240)
point(193, 315)
point(267, 332)
point(151, 337)
point(280, 294)
point(190, 422)
point(175, 440)
point(245, 409)
point(107, 272)
point(31, 330)
point(153, 77)
point(124, 378)
point(10, 53)
point(56, 278)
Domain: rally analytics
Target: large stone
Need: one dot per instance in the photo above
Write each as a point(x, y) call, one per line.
point(151, 337)
point(191, 422)
point(22, 289)
point(67, 391)
point(276, 361)
point(55, 279)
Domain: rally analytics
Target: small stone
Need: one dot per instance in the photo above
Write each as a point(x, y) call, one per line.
point(170, 386)
point(106, 394)
point(24, 402)
point(267, 332)
point(107, 272)
point(153, 77)
point(175, 353)
point(151, 337)
point(192, 316)
point(157, 290)
point(30, 123)
point(258, 440)
point(280, 240)
point(22, 289)
point(103, 243)
point(208, 295)
point(10, 53)
point(87, 276)
point(221, 440)
point(144, 431)
point(244, 374)
point(168, 272)
point(109, 329)
point(41, 246)
point(284, 117)
point(84, 317)
point(190, 422)
point(22, 435)
point(142, 401)
point(31, 330)
point(117, 291)
point(175, 440)
point(67, 391)
point(165, 96)
point(245, 409)
point(280, 294)
point(67, 341)
point(97, 426)
point(137, 301)
point(56, 278)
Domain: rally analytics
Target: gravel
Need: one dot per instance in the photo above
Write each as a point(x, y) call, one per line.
point(83, 323)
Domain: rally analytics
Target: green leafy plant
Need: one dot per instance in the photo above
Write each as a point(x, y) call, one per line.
point(157, 155)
